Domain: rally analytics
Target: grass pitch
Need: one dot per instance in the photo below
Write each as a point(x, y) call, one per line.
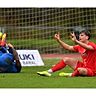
point(29, 79)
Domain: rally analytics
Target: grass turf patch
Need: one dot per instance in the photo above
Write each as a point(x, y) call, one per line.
point(29, 79)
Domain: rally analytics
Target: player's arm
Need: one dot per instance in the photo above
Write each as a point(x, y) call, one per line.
point(18, 64)
point(73, 37)
point(16, 58)
point(63, 44)
point(88, 47)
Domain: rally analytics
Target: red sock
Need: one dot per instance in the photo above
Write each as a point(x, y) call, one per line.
point(58, 66)
point(75, 73)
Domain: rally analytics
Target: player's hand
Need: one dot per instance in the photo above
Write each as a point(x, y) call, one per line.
point(57, 36)
point(73, 37)
point(10, 45)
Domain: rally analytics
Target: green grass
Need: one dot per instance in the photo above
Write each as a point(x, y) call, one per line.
point(29, 79)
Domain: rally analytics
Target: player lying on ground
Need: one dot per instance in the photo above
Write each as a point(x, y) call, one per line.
point(87, 50)
point(9, 61)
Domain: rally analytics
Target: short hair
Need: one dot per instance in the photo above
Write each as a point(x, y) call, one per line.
point(79, 29)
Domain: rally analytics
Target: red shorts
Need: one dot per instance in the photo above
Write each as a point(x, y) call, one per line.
point(90, 72)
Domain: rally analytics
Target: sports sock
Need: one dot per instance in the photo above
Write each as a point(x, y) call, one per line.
point(58, 66)
point(75, 73)
point(50, 71)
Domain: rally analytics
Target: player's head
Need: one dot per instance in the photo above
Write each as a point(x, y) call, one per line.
point(78, 30)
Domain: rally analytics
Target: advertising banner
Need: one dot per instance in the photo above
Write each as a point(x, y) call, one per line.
point(30, 58)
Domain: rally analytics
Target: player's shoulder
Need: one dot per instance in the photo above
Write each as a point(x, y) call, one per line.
point(91, 43)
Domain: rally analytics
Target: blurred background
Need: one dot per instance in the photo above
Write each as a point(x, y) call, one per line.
point(34, 28)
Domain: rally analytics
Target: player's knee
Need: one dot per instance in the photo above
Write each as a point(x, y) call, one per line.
point(82, 71)
point(66, 60)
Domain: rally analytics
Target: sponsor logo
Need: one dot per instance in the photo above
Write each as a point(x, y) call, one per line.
point(26, 57)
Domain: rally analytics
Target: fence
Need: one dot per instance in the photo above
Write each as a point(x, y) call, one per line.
point(34, 28)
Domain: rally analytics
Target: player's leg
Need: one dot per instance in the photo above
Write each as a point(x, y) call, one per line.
point(66, 61)
point(71, 63)
point(76, 71)
point(79, 71)
point(85, 72)
point(77, 65)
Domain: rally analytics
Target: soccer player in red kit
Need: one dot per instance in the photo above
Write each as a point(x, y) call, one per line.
point(86, 48)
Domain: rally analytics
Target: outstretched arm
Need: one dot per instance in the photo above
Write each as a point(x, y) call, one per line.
point(63, 44)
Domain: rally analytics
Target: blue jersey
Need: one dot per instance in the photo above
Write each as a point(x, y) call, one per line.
point(7, 63)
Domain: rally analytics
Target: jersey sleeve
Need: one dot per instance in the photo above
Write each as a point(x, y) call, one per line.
point(76, 48)
point(93, 45)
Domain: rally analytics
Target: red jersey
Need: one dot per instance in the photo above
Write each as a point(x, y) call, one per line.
point(88, 56)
